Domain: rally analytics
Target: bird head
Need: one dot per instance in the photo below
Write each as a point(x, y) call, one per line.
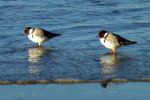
point(102, 33)
point(26, 31)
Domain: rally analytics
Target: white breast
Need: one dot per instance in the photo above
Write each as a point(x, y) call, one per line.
point(36, 39)
point(107, 44)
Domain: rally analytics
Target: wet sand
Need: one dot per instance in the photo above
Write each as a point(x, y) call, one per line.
point(83, 91)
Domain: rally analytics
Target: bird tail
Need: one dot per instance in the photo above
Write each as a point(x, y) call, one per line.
point(56, 34)
point(130, 42)
point(133, 42)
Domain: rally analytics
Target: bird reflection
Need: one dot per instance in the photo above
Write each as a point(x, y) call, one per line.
point(111, 67)
point(35, 53)
point(35, 57)
point(34, 69)
point(109, 63)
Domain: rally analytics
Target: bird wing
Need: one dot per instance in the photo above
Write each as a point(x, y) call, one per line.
point(43, 33)
point(112, 39)
point(38, 32)
point(122, 41)
point(49, 34)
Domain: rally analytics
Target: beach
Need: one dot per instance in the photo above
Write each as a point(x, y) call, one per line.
point(74, 65)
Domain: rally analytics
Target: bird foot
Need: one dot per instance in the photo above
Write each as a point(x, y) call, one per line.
point(112, 52)
point(39, 46)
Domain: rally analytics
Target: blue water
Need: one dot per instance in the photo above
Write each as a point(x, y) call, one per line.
point(77, 53)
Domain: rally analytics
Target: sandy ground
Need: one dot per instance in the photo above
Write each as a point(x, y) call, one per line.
point(83, 91)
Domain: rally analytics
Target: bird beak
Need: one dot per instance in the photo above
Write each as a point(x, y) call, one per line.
point(24, 33)
point(97, 36)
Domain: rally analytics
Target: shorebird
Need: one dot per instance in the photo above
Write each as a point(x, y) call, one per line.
point(113, 41)
point(38, 35)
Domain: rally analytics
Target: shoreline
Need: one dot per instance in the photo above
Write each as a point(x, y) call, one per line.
point(71, 81)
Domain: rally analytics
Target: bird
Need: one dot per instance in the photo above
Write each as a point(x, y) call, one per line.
point(39, 35)
point(113, 41)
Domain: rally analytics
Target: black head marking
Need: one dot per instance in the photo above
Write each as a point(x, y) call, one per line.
point(102, 33)
point(26, 31)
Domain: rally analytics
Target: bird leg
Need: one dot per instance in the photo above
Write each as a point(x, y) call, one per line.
point(113, 52)
point(40, 45)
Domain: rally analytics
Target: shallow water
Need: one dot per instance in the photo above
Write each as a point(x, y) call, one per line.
point(77, 53)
